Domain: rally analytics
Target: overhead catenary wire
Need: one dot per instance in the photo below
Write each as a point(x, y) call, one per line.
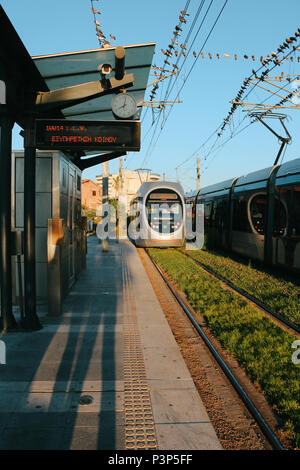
point(174, 79)
point(229, 120)
point(155, 87)
point(167, 94)
point(102, 39)
point(198, 31)
point(203, 45)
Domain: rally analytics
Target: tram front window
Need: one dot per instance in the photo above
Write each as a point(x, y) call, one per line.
point(164, 217)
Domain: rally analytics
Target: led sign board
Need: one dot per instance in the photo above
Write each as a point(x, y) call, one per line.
point(61, 134)
point(164, 196)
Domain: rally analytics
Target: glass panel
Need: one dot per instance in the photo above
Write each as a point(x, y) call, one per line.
point(290, 196)
point(240, 221)
point(258, 213)
point(164, 215)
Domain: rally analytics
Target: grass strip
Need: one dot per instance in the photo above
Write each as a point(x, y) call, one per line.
point(280, 292)
point(261, 347)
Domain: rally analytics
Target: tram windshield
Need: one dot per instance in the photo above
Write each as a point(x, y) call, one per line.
point(164, 211)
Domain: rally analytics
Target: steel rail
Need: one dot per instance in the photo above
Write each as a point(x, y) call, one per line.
point(265, 428)
point(243, 293)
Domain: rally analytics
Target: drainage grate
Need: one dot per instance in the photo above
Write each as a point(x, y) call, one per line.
point(86, 400)
point(139, 422)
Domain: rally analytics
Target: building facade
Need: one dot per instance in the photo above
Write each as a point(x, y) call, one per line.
point(91, 194)
point(127, 185)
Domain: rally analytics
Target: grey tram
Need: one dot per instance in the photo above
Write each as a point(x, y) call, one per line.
point(157, 214)
point(256, 215)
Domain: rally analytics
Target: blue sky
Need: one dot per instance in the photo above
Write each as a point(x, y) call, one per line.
point(255, 27)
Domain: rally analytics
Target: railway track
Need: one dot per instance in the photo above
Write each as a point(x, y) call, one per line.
point(263, 425)
point(285, 323)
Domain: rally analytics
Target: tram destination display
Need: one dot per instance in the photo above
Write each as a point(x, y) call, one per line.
point(60, 134)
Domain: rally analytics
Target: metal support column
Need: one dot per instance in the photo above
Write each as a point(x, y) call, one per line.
point(7, 320)
point(31, 320)
point(105, 199)
point(198, 174)
point(269, 217)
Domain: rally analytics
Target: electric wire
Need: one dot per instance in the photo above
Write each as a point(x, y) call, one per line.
point(171, 107)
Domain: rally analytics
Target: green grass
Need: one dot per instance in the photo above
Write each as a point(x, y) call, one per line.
point(280, 292)
point(261, 347)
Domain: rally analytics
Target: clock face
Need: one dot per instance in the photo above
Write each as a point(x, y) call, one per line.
point(123, 105)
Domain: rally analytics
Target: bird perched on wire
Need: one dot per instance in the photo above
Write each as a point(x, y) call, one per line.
point(113, 37)
point(235, 56)
point(184, 13)
point(183, 46)
point(97, 23)
point(182, 19)
point(96, 11)
point(183, 53)
point(209, 55)
point(202, 55)
point(194, 54)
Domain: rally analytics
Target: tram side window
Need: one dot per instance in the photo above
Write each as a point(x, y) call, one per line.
point(296, 225)
point(207, 211)
point(291, 196)
point(258, 213)
point(240, 219)
point(280, 219)
point(221, 213)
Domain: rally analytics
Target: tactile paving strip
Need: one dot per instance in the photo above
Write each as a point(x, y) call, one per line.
point(139, 422)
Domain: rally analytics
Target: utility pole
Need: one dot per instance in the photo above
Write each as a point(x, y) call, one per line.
point(198, 173)
point(120, 187)
point(105, 200)
point(120, 192)
point(164, 176)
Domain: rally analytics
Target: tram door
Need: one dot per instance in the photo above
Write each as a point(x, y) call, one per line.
point(71, 225)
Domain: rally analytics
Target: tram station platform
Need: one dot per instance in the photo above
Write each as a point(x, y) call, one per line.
point(107, 374)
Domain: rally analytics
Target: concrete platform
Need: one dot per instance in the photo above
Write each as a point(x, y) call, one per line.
point(113, 344)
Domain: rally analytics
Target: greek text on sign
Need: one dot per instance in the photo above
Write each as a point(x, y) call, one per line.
point(96, 135)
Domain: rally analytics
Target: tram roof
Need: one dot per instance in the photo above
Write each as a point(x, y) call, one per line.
point(289, 168)
point(218, 187)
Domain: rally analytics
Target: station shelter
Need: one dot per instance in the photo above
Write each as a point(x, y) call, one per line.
point(41, 185)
